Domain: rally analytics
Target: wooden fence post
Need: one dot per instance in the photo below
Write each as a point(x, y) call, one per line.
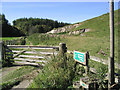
point(0, 50)
point(62, 51)
point(87, 61)
point(62, 48)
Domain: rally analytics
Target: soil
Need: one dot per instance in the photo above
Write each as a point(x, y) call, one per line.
point(7, 70)
point(27, 79)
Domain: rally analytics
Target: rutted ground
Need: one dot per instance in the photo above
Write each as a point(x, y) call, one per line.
point(27, 79)
point(18, 75)
point(7, 70)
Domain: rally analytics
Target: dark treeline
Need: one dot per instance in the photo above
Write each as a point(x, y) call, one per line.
point(7, 29)
point(27, 26)
point(36, 25)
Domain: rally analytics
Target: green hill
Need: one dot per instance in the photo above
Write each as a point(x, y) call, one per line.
point(98, 38)
point(99, 25)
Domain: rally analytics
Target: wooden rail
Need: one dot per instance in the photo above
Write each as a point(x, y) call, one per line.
point(30, 60)
point(19, 53)
point(33, 46)
point(33, 52)
point(33, 57)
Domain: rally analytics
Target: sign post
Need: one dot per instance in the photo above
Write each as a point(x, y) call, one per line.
point(82, 58)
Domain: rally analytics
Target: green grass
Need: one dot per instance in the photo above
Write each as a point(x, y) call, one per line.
point(18, 73)
point(87, 43)
point(93, 41)
point(58, 73)
point(15, 77)
point(10, 84)
point(9, 38)
point(40, 39)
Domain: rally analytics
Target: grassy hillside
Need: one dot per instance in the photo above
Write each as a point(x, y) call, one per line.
point(99, 35)
point(93, 41)
point(99, 25)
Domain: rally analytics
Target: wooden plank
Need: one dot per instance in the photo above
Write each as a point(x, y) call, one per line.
point(23, 59)
point(37, 52)
point(30, 52)
point(16, 51)
point(31, 56)
point(103, 61)
point(28, 63)
point(20, 53)
point(33, 46)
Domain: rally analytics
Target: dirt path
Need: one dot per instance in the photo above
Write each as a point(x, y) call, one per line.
point(7, 70)
point(27, 79)
point(23, 84)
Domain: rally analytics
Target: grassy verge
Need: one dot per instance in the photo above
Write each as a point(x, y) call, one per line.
point(10, 84)
point(15, 77)
point(9, 38)
point(18, 73)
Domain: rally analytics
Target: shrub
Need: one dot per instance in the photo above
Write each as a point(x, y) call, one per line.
point(58, 73)
point(19, 41)
point(100, 76)
point(44, 39)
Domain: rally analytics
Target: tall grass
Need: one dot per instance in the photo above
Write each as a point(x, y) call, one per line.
point(58, 73)
point(9, 38)
point(15, 77)
point(44, 39)
point(18, 73)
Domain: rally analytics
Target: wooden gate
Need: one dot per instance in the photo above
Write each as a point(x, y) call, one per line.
point(31, 54)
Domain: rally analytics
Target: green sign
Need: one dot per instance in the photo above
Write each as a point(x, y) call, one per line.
point(83, 85)
point(80, 57)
